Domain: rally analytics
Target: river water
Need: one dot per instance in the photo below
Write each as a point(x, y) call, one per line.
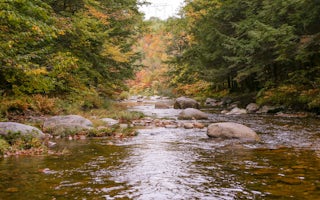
point(164, 163)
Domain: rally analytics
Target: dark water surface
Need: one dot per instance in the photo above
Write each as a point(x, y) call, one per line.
point(176, 164)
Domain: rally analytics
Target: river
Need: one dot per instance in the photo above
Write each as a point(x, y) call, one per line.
point(176, 163)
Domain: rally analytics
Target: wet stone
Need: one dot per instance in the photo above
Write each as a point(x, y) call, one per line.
point(171, 126)
point(188, 126)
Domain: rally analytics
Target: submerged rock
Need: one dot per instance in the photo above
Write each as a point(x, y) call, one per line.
point(237, 111)
point(13, 127)
point(60, 125)
point(188, 125)
point(184, 102)
point(192, 113)
point(231, 130)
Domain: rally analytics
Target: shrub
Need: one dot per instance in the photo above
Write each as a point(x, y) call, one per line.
point(18, 105)
point(44, 104)
point(4, 146)
point(106, 131)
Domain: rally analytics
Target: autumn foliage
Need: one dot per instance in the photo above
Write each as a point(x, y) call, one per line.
point(67, 49)
point(151, 78)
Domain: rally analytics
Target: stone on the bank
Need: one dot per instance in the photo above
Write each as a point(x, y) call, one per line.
point(212, 102)
point(270, 109)
point(109, 121)
point(155, 97)
point(184, 102)
point(64, 125)
point(192, 113)
point(225, 101)
point(13, 127)
point(231, 130)
point(252, 107)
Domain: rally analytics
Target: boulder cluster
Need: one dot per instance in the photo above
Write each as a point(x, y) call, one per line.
point(57, 126)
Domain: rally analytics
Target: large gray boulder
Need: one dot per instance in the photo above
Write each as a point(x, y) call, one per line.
point(65, 125)
point(184, 102)
point(231, 130)
point(24, 130)
point(192, 113)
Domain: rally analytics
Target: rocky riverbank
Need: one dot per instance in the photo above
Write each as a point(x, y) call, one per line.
point(185, 111)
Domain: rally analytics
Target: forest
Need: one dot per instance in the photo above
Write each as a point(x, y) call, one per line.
point(268, 49)
point(221, 101)
point(57, 53)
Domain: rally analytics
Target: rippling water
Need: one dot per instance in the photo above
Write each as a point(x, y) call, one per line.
point(177, 164)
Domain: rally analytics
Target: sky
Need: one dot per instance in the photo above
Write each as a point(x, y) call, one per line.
point(161, 8)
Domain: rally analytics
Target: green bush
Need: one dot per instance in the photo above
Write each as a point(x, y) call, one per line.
point(291, 96)
point(43, 104)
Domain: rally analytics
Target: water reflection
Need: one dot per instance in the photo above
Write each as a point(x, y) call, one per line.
point(169, 164)
point(159, 167)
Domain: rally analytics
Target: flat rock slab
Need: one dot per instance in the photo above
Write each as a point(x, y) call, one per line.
point(230, 130)
point(68, 124)
point(237, 111)
point(13, 127)
point(109, 121)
